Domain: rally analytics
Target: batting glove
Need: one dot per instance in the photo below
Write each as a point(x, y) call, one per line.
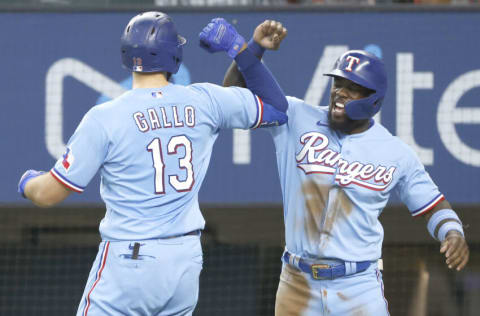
point(219, 35)
point(27, 176)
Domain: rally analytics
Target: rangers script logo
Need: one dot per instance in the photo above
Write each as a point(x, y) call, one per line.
point(320, 159)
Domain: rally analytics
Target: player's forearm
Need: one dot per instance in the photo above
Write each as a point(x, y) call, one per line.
point(260, 80)
point(45, 191)
point(442, 220)
point(219, 35)
point(233, 77)
point(440, 206)
point(445, 226)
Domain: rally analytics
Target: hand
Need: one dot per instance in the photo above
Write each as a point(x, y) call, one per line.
point(269, 34)
point(456, 250)
point(27, 176)
point(219, 35)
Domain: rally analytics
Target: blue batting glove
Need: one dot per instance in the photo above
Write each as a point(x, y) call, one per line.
point(219, 35)
point(27, 176)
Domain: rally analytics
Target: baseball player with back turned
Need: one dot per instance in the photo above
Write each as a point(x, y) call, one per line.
point(152, 146)
point(338, 168)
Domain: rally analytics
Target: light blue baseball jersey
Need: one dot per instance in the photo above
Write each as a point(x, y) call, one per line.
point(152, 148)
point(335, 185)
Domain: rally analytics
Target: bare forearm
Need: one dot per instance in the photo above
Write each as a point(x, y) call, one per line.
point(440, 206)
point(45, 191)
point(233, 77)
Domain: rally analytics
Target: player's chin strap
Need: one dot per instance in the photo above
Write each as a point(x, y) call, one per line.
point(442, 222)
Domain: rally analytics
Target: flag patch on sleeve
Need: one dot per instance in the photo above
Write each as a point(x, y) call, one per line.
point(68, 159)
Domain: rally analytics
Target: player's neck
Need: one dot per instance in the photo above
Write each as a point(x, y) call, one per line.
point(360, 129)
point(149, 80)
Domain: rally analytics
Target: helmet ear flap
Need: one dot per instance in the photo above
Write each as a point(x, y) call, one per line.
point(378, 104)
point(364, 108)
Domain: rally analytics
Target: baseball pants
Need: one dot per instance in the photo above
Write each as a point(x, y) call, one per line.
point(359, 294)
point(161, 279)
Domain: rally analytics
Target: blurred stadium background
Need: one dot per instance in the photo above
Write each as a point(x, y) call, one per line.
point(60, 57)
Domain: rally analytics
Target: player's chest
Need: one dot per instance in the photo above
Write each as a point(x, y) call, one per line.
point(346, 162)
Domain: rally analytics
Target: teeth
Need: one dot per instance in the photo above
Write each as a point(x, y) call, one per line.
point(339, 105)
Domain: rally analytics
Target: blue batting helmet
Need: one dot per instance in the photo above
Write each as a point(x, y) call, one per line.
point(368, 71)
point(150, 43)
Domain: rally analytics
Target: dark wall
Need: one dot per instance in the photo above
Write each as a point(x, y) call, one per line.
point(45, 257)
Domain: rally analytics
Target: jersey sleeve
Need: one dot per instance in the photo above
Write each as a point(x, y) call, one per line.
point(232, 107)
point(85, 154)
point(416, 188)
point(281, 132)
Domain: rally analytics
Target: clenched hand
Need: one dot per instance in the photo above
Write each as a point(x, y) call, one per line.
point(269, 34)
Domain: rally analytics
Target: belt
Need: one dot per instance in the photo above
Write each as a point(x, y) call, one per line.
point(136, 246)
point(197, 232)
point(325, 271)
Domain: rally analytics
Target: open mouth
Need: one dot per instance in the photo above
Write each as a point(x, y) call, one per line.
point(338, 108)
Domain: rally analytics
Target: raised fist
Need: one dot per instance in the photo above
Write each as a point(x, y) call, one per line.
point(269, 34)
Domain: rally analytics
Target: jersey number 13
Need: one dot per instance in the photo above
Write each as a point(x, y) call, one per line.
point(184, 162)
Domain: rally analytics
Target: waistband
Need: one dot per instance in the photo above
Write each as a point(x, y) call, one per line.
point(325, 271)
point(197, 232)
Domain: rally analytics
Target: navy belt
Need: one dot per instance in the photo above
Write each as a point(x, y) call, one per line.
point(325, 271)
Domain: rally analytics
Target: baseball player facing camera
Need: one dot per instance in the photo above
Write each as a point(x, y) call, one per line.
point(152, 146)
point(338, 168)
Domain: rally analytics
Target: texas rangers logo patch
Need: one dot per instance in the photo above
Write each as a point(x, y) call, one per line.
point(68, 159)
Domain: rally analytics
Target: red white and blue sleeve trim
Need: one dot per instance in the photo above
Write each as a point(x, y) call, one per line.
point(258, 119)
point(67, 183)
point(429, 206)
